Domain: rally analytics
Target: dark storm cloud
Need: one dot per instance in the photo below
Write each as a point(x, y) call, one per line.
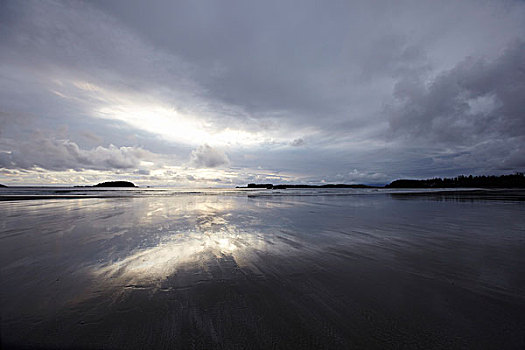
point(305, 85)
point(475, 99)
point(310, 63)
point(74, 39)
point(476, 108)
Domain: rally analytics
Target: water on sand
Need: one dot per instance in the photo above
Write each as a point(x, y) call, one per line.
point(262, 269)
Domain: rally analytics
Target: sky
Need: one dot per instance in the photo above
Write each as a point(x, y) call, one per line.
point(223, 93)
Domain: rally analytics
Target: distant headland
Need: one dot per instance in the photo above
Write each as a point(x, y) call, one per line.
point(280, 187)
point(115, 184)
point(504, 181)
point(2, 185)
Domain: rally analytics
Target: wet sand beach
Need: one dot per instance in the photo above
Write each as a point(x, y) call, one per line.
point(263, 269)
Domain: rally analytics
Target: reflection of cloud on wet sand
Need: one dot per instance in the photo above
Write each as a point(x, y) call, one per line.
point(212, 237)
point(166, 236)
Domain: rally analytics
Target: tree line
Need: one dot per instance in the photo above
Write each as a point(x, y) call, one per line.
point(503, 181)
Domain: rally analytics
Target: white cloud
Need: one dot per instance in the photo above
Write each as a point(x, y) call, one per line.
point(206, 156)
point(44, 152)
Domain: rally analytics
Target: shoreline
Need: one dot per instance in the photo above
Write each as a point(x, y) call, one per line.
point(474, 193)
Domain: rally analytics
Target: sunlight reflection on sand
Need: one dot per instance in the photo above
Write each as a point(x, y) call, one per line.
point(155, 263)
point(147, 241)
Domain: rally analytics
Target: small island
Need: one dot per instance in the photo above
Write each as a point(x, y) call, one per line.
point(115, 184)
point(282, 187)
point(2, 185)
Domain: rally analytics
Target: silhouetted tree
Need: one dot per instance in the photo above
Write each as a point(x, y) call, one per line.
point(516, 180)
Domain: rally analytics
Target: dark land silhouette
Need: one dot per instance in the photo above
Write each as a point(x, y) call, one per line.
point(115, 184)
point(516, 180)
point(279, 187)
point(504, 181)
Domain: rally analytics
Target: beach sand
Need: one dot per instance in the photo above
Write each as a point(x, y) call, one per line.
point(264, 270)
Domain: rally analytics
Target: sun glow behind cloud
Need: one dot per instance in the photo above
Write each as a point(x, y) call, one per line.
point(175, 126)
point(150, 114)
point(153, 114)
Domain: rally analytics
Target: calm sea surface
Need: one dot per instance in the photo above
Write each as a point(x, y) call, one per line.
point(340, 268)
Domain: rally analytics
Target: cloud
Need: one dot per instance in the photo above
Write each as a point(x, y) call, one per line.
point(142, 172)
point(474, 111)
point(257, 78)
point(487, 156)
point(206, 156)
point(297, 142)
point(475, 99)
point(47, 153)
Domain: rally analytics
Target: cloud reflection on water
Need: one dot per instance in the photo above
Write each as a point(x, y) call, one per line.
point(192, 236)
point(161, 261)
